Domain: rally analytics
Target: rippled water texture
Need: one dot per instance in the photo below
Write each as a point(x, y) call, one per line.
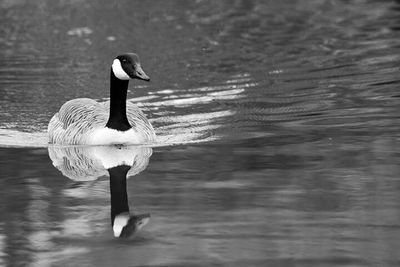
point(277, 121)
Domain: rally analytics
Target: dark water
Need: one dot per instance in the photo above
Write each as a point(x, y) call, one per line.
point(284, 117)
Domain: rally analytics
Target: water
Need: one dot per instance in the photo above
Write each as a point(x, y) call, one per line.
point(277, 121)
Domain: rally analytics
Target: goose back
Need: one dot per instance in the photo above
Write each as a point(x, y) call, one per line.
point(79, 118)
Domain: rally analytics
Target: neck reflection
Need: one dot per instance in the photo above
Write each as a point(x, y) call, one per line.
point(124, 225)
point(118, 162)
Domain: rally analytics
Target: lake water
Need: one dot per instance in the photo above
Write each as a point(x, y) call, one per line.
point(278, 133)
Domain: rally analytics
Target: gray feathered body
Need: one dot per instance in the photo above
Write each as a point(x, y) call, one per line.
point(79, 118)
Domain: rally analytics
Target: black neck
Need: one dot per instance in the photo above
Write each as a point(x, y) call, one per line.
point(119, 196)
point(118, 91)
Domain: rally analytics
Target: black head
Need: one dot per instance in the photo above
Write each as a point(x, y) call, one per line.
point(126, 225)
point(127, 66)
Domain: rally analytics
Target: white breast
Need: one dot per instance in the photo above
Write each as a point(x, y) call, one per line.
point(113, 156)
point(107, 136)
point(119, 71)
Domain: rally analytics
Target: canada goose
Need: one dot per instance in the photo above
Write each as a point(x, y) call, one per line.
point(85, 121)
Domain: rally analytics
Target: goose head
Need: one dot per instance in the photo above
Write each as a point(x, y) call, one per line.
point(126, 225)
point(127, 66)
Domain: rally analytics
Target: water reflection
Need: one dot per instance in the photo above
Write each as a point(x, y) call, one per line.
point(118, 162)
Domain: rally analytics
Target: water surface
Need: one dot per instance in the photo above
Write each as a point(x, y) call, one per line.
point(277, 121)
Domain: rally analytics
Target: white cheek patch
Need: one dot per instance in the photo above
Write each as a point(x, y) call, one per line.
point(120, 222)
point(119, 71)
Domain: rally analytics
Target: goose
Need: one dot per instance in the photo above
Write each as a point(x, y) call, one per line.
point(84, 121)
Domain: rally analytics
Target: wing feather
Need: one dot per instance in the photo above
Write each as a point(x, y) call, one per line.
point(78, 117)
point(139, 122)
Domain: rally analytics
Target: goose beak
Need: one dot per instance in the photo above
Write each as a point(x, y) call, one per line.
point(140, 74)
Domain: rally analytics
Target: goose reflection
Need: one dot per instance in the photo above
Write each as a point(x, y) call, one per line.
point(118, 162)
